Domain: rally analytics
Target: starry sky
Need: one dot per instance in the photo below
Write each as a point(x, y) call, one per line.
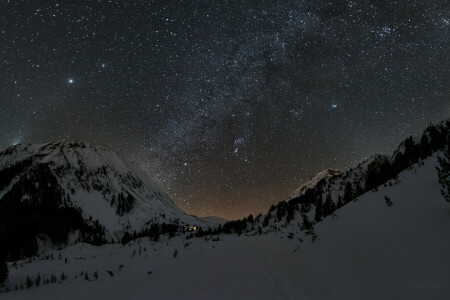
point(228, 105)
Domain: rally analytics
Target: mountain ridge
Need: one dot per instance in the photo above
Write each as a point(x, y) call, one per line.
point(94, 185)
point(314, 202)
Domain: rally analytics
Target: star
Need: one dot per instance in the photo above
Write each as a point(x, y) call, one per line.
point(232, 104)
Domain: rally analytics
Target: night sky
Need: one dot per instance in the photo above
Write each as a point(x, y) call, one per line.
point(228, 105)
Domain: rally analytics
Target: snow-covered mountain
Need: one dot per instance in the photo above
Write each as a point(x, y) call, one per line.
point(366, 233)
point(107, 191)
point(368, 250)
point(329, 190)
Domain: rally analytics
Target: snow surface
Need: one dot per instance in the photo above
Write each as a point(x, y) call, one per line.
point(367, 251)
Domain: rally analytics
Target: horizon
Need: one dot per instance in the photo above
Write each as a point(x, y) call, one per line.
point(229, 106)
point(264, 211)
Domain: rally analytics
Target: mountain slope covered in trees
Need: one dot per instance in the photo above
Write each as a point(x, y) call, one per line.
point(66, 191)
point(328, 191)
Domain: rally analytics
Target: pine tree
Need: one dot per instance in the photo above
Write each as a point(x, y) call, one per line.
point(290, 212)
point(425, 149)
point(306, 225)
point(250, 219)
point(126, 238)
point(154, 232)
point(53, 278)
point(37, 281)
point(339, 202)
point(348, 192)
point(444, 173)
point(29, 282)
point(388, 201)
point(328, 206)
point(265, 222)
point(200, 232)
point(359, 190)
point(319, 208)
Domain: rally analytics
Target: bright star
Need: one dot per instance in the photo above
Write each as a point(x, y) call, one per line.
point(70, 81)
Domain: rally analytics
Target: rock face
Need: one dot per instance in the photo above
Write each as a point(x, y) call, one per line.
point(84, 189)
point(312, 182)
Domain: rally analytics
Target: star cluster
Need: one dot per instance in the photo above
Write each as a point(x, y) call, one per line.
point(228, 105)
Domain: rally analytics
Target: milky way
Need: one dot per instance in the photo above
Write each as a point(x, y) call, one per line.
point(228, 105)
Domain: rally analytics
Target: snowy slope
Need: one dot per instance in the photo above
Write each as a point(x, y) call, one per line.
point(373, 251)
point(94, 179)
point(367, 251)
point(332, 183)
point(328, 188)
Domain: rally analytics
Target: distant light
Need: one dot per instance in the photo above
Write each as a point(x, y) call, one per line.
point(333, 105)
point(70, 81)
point(16, 142)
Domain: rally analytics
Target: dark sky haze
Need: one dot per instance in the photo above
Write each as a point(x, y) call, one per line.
point(229, 105)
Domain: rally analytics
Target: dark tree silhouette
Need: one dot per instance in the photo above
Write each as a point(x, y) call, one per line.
point(388, 201)
point(290, 212)
point(29, 282)
point(425, 148)
point(200, 232)
point(306, 225)
point(23, 219)
point(328, 207)
point(250, 219)
point(444, 173)
point(339, 203)
point(348, 192)
point(318, 215)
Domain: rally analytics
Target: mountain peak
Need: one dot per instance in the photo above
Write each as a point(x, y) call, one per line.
point(327, 173)
point(102, 185)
